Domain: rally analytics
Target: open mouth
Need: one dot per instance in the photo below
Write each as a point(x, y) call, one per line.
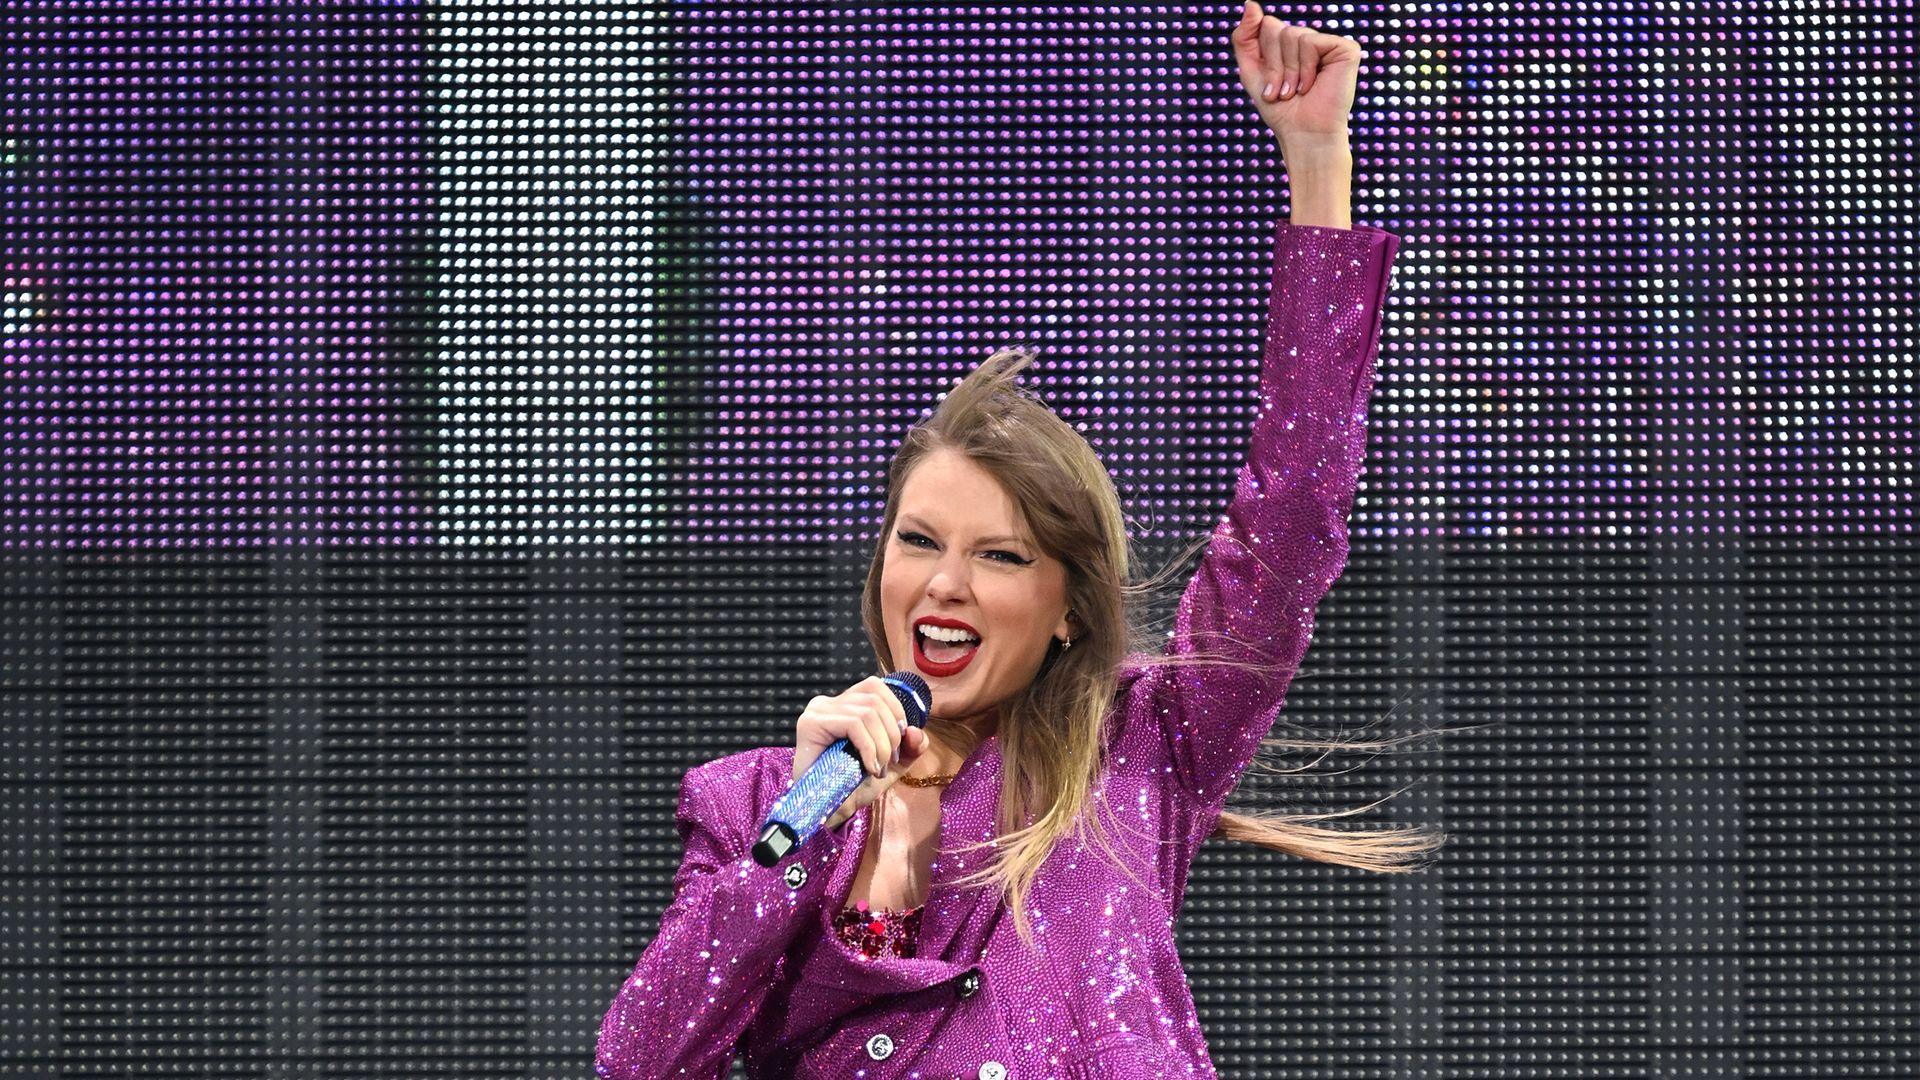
point(939, 657)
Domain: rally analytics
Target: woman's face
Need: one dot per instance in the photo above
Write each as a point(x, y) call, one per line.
point(958, 552)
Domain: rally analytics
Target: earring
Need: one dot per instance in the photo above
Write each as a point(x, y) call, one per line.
point(1066, 644)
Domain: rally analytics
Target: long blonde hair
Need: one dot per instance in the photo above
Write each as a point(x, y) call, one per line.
point(1051, 734)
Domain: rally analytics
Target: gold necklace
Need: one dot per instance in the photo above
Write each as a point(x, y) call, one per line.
point(937, 780)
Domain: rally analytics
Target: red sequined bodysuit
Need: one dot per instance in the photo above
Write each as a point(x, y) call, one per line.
point(873, 933)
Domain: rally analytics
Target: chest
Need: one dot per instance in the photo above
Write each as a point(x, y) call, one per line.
point(903, 834)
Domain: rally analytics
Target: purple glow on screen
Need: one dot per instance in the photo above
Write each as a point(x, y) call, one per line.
point(210, 217)
point(1621, 309)
point(1656, 275)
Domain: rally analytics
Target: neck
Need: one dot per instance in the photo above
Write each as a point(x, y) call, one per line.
point(946, 753)
point(938, 760)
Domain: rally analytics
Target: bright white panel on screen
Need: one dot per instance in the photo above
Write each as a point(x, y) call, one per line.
point(543, 157)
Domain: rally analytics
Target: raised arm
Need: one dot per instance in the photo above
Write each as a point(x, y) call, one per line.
point(1283, 539)
point(704, 977)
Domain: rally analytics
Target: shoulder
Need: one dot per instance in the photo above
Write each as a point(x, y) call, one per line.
point(1131, 720)
point(1132, 666)
point(743, 783)
point(729, 796)
point(1131, 679)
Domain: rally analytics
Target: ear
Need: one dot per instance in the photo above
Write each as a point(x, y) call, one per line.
point(1064, 629)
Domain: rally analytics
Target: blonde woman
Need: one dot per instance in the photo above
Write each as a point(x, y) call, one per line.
point(997, 898)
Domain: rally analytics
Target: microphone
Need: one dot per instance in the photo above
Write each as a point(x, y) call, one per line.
point(831, 779)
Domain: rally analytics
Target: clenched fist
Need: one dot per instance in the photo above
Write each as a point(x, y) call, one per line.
point(1300, 80)
point(870, 717)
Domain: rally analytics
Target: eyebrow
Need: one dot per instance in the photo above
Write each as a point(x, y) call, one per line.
point(984, 540)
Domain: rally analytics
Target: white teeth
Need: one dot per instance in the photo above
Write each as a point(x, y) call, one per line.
point(947, 634)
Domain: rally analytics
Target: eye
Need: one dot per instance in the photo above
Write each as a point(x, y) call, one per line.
point(1011, 559)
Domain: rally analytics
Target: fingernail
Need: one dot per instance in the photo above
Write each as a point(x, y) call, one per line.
point(1268, 92)
point(1286, 88)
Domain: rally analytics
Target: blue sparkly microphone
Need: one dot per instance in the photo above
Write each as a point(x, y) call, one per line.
point(831, 779)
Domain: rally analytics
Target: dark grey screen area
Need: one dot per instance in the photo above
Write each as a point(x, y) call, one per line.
point(378, 815)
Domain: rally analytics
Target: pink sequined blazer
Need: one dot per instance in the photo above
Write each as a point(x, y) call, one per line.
point(746, 958)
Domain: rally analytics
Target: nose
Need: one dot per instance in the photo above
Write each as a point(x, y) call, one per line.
point(949, 577)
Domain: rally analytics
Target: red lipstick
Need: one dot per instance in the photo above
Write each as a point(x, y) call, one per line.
point(933, 667)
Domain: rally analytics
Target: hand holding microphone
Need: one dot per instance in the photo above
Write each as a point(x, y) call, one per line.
point(848, 749)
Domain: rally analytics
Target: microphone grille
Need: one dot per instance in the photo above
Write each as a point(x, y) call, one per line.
point(914, 694)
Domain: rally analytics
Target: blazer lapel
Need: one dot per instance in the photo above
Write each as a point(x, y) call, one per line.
point(957, 922)
point(833, 979)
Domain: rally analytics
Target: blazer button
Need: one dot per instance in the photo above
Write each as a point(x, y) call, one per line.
point(969, 984)
point(993, 1070)
point(796, 875)
point(880, 1048)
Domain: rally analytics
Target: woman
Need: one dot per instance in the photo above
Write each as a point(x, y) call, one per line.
point(951, 919)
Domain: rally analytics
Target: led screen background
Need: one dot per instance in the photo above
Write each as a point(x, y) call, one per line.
point(430, 429)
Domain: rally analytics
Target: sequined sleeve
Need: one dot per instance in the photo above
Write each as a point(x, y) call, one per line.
point(701, 981)
point(1283, 538)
